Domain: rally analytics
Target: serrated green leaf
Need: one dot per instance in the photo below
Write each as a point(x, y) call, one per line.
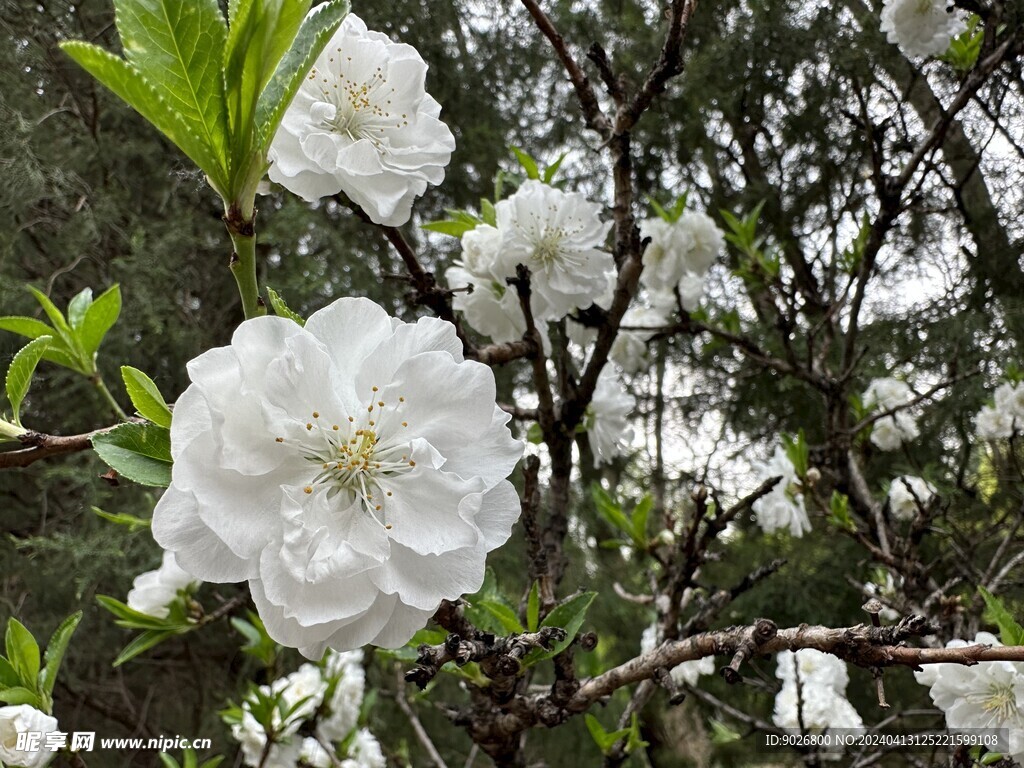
point(28, 327)
point(145, 396)
point(77, 307)
point(127, 83)
point(316, 31)
point(99, 319)
point(138, 452)
point(528, 163)
point(60, 324)
point(533, 607)
point(55, 650)
point(281, 308)
point(20, 695)
point(177, 47)
point(1010, 631)
point(19, 375)
point(23, 653)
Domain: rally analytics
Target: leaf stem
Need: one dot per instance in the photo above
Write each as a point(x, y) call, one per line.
point(10, 432)
point(100, 385)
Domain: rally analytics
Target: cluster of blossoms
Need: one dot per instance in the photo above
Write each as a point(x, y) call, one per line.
point(323, 703)
point(920, 27)
point(678, 258)
point(813, 692)
point(892, 431)
point(353, 470)
point(782, 508)
point(1001, 419)
point(986, 695)
point(908, 495)
point(686, 673)
point(362, 123)
point(557, 235)
point(22, 718)
point(153, 592)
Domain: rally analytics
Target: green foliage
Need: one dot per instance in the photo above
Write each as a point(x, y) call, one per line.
point(1010, 630)
point(131, 522)
point(24, 677)
point(281, 309)
point(155, 630)
point(258, 643)
point(606, 740)
point(672, 214)
point(798, 452)
point(457, 224)
point(217, 93)
point(964, 49)
point(568, 615)
point(853, 254)
point(634, 525)
point(73, 340)
point(19, 375)
point(190, 760)
point(839, 512)
point(533, 607)
point(139, 452)
point(145, 396)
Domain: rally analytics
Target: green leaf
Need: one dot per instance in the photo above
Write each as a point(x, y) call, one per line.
point(129, 618)
point(126, 82)
point(143, 643)
point(8, 676)
point(639, 520)
point(28, 327)
point(605, 740)
point(448, 227)
point(551, 170)
point(132, 522)
point(177, 46)
point(55, 650)
point(569, 616)
point(168, 761)
point(1010, 632)
point(22, 653)
point(528, 163)
point(721, 733)
point(506, 616)
point(533, 607)
point(488, 213)
point(19, 375)
point(316, 31)
point(78, 306)
point(20, 695)
point(145, 396)
point(839, 508)
point(797, 452)
point(51, 310)
point(138, 452)
point(634, 742)
point(535, 434)
point(281, 309)
point(99, 319)
point(609, 510)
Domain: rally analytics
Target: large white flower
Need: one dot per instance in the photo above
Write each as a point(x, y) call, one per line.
point(986, 695)
point(783, 507)
point(362, 123)
point(558, 236)
point(920, 27)
point(607, 419)
point(23, 718)
point(907, 494)
point(352, 470)
point(153, 592)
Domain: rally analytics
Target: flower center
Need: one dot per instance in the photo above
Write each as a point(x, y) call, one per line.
point(361, 110)
point(352, 460)
point(1000, 702)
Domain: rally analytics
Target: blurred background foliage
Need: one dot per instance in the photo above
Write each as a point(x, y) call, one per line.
point(91, 196)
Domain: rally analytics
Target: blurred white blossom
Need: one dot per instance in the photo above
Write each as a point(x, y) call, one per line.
point(920, 27)
point(890, 432)
point(906, 493)
point(783, 507)
point(607, 418)
point(153, 592)
point(22, 718)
